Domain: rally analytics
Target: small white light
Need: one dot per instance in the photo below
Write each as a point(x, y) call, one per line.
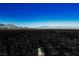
point(40, 52)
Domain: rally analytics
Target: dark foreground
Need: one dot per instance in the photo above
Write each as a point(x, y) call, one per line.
point(27, 42)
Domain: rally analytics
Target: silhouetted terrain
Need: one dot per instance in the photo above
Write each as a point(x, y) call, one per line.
point(26, 42)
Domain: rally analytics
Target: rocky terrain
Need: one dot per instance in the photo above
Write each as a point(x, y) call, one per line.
point(29, 42)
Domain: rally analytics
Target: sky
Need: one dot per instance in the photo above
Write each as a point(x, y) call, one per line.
point(40, 14)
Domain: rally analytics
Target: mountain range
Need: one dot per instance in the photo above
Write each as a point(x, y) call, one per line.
point(57, 27)
point(11, 26)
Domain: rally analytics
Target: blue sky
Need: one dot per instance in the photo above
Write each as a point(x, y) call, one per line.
point(40, 14)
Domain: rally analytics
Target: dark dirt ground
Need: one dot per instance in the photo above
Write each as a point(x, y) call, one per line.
point(26, 42)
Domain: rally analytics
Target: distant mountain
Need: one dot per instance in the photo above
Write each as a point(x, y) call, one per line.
point(2, 24)
point(57, 27)
point(9, 26)
point(44, 27)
